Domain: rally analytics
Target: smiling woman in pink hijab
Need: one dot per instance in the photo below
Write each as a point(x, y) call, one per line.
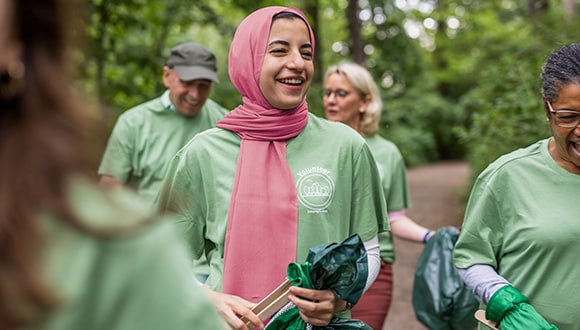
point(273, 180)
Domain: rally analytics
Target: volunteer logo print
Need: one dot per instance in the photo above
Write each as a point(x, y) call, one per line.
point(315, 188)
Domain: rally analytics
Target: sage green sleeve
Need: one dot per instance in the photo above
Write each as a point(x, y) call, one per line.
point(139, 279)
point(147, 283)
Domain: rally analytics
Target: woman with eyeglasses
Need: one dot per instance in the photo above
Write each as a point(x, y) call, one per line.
point(518, 249)
point(352, 97)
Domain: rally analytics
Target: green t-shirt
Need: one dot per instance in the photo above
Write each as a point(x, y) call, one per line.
point(145, 139)
point(523, 219)
point(393, 173)
point(327, 155)
point(139, 277)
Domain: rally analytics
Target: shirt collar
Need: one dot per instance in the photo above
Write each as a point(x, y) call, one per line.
point(166, 101)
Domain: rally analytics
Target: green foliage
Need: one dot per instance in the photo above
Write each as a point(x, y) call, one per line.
point(505, 107)
point(415, 116)
point(470, 90)
point(314, 99)
point(129, 41)
point(424, 126)
point(332, 45)
point(508, 112)
point(393, 54)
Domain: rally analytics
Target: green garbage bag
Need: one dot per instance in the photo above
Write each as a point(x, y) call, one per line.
point(441, 300)
point(340, 267)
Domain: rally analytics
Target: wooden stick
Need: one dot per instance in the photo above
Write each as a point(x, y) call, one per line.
point(480, 316)
point(272, 303)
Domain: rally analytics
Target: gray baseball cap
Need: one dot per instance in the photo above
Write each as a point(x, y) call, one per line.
point(192, 61)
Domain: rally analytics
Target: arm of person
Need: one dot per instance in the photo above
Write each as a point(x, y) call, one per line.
point(482, 280)
point(406, 228)
point(107, 180)
point(505, 303)
point(117, 162)
point(318, 307)
point(374, 261)
point(233, 308)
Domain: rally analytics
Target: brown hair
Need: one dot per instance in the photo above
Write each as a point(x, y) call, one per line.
point(42, 142)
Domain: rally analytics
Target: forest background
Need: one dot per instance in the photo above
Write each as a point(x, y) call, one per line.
point(459, 78)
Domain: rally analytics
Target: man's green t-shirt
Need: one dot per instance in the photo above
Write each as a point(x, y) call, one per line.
point(146, 138)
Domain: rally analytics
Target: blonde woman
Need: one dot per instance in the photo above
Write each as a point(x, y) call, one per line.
point(351, 96)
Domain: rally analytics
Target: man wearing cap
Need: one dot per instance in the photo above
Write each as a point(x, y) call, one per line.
point(146, 138)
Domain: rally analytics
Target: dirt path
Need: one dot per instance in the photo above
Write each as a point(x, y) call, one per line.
point(436, 195)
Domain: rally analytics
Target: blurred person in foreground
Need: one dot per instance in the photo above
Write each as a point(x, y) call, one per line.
point(518, 249)
point(352, 97)
point(273, 180)
point(147, 136)
point(73, 256)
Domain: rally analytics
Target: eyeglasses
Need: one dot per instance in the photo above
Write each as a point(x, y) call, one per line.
point(339, 93)
point(565, 117)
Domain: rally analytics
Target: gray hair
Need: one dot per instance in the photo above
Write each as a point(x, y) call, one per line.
point(361, 79)
point(561, 67)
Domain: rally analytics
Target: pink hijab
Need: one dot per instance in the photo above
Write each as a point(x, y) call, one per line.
point(263, 212)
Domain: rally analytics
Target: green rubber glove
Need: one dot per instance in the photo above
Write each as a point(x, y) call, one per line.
point(511, 308)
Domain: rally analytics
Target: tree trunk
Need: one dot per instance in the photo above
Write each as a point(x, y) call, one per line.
point(311, 10)
point(354, 30)
point(101, 22)
point(570, 8)
point(537, 7)
point(440, 62)
point(160, 40)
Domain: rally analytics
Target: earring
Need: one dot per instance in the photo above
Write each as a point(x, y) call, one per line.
point(12, 80)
